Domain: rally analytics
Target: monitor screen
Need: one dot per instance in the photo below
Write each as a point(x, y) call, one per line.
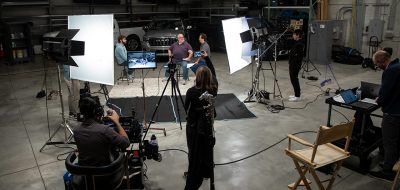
point(141, 60)
point(197, 54)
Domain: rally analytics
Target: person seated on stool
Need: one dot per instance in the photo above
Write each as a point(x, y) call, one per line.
point(295, 59)
point(204, 47)
point(389, 99)
point(121, 55)
point(181, 53)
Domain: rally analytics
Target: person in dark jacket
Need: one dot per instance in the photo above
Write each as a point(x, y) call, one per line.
point(199, 127)
point(295, 60)
point(389, 99)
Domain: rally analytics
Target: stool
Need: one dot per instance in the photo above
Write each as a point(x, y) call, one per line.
point(124, 76)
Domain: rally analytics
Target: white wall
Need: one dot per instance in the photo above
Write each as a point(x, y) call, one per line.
point(373, 9)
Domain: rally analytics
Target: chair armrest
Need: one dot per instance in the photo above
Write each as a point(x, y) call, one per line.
point(299, 140)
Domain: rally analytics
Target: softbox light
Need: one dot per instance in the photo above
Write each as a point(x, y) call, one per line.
point(60, 47)
point(97, 65)
point(239, 53)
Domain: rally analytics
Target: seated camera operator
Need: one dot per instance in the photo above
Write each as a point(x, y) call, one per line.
point(95, 141)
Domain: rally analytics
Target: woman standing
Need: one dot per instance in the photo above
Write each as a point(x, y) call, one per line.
point(199, 127)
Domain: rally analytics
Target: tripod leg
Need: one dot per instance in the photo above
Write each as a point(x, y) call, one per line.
point(157, 105)
point(174, 88)
point(180, 96)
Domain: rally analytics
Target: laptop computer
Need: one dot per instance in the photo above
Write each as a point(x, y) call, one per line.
point(348, 96)
point(369, 90)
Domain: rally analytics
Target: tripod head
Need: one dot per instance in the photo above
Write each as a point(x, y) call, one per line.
point(171, 68)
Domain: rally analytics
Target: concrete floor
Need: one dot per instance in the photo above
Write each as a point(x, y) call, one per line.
point(24, 129)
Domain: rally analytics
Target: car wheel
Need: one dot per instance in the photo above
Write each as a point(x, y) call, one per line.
point(132, 43)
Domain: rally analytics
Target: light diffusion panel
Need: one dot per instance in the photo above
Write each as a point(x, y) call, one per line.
point(97, 65)
point(238, 52)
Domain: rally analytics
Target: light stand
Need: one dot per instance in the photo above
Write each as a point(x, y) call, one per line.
point(174, 93)
point(307, 62)
point(64, 124)
point(255, 91)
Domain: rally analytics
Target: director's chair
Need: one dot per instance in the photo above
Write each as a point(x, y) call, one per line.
point(320, 154)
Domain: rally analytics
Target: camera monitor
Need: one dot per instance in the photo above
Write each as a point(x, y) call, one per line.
point(197, 54)
point(141, 60)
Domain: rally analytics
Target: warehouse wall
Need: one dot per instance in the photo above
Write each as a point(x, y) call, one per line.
point(379, 9)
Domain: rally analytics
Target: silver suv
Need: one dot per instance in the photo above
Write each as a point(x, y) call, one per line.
point(161, 34)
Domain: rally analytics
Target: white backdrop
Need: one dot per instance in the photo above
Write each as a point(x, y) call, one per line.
point(238, 52)
point(97, 65)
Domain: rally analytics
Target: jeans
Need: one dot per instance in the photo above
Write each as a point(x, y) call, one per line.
point(73, 95)
point(391, 140)
point(294, 70)
point(130, 71)
point(185, 70)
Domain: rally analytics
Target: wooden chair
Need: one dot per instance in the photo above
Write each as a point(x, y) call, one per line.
point(319, 154)
point(396, 168)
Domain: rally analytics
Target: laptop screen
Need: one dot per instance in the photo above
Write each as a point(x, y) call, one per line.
point(348, 96)
point(369, 90)
point(141, 60)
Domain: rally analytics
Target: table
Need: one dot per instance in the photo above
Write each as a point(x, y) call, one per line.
point(359, 146)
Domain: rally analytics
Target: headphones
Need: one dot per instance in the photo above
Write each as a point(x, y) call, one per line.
point(94, 104)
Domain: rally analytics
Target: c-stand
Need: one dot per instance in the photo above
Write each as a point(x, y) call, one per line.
point(255, 91)
point(174, 93)
point(307, 62)
point(64, 124)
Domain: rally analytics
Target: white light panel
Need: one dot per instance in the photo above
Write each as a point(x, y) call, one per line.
point(238, 52)
point(97, 65)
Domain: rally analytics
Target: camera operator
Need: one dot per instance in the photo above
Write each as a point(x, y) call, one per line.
point(95, 141)
point(295, 60)
point(199, 129)
point(181, 53)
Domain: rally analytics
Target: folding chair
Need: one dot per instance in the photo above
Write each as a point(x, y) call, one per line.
point(320, 154)
point(396, 168)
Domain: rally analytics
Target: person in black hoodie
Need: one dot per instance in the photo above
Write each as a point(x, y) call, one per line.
point(199, 127)
point(295, 60)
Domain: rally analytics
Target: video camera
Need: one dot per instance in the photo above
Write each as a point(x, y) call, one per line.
point(134, 130)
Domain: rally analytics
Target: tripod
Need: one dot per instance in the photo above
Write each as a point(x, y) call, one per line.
point(174, 93)
point(144, 108)
point(307, 62)
point(64, 124)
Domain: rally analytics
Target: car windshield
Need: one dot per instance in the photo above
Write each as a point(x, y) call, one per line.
point(165, 24)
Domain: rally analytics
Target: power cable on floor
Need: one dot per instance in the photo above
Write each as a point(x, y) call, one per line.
point(247, 157)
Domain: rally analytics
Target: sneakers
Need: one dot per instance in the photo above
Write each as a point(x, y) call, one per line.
point(294, 99)
point(389, 176)
point(291, 96)
point(164, 79)
point(184, 82)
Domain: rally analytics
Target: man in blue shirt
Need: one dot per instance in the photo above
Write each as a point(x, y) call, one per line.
point(389, 99)
point(121, 54)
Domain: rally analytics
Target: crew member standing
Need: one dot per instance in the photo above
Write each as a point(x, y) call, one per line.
point(295, 60)
point(389, 99)
point(199, 126)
